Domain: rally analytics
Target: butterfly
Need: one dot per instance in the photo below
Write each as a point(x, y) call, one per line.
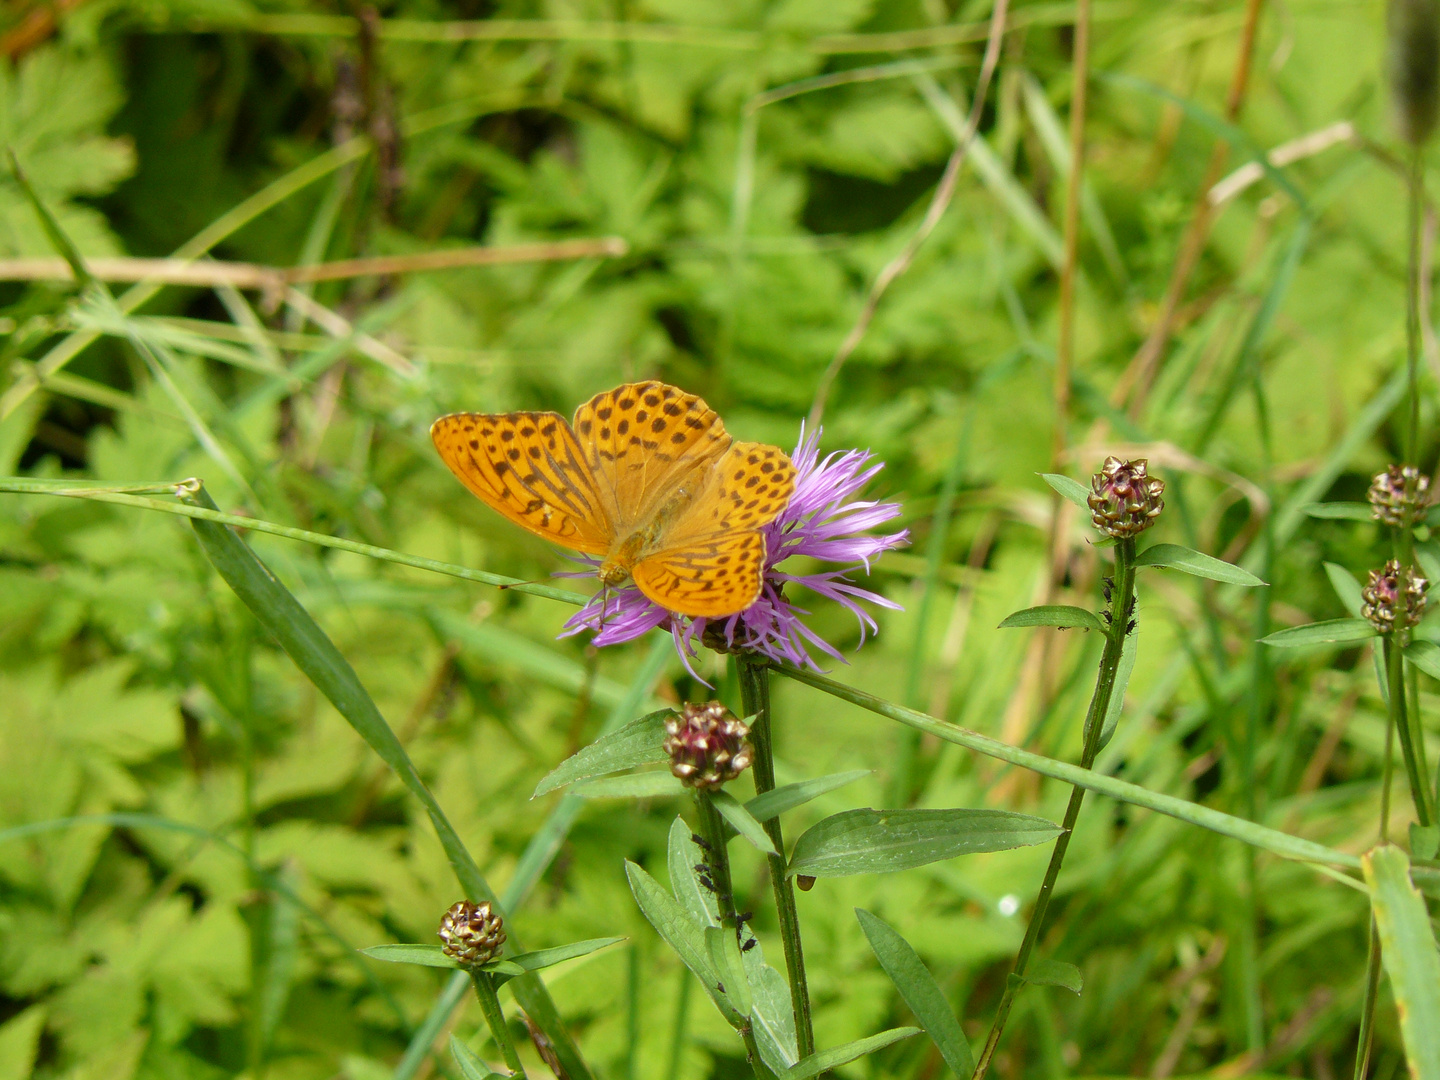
point(645, 477)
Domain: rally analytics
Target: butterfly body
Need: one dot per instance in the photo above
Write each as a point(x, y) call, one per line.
point(645, 477)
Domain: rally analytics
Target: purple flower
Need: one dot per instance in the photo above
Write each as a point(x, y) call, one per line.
point(823, 521)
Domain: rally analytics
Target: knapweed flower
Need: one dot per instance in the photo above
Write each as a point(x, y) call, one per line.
point(1124, 499)
point(1400, 496)
point(1394, 597)
point(707, 745)
point(824, 521)
point(472, 934)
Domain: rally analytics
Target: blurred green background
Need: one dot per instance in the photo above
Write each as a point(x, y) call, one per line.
point(761, 160)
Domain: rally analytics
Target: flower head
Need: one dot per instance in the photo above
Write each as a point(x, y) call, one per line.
point(1394, 597)
point(823, 521)
point(1124, 499)
point(472, 934)
point(707, 745)
point(1400, 496)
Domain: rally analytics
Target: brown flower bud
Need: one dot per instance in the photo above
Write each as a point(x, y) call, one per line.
point(472, 934)
point(1414, 46)
point(1400, 496)
point(1124, 499)
point(1394, 597)
point(707, 745)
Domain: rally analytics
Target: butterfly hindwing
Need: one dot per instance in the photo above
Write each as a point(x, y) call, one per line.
point(712, 578)
point(529, 467)
point(642, 440)
point(711, 557)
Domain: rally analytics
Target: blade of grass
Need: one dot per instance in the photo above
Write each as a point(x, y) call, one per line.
point(321, 662)
point(1247, 832)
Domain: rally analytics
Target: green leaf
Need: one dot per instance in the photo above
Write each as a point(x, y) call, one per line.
point(1346, 587)
point(724, 953)
point(1339, 511)
point(637, 743)
point(774, 803)
point(879, 841)
point(503, 967)
point(424, 955)
point(1424, 840)
point(683, 856)
point(787, 797)
point(681, 933)
point(1060, 615)
point(1329, 632)
point(471, 1067)
point(1189, 561)
point(833, 1058)
point(920, 992)
point(1072, 490)
point(646, 785)
point(1054, 973)
point(543, 958)
point(740, 819)
point(1407, 945)
point(1425, 655)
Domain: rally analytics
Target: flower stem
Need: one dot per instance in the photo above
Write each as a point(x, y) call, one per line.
point(755, 698)
point(717, 859)
point(495, 1017)
point(1399, 716)
point(1120, 609)
point(1412, 310)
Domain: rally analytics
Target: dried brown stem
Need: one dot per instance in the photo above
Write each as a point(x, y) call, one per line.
point(939, 203)
point(1140, 375)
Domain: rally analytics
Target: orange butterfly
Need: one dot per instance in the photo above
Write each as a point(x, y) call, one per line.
point(646, 477)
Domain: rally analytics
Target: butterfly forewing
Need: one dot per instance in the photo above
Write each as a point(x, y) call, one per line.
point(530, 468)
point(644, 440)
point(710, 558)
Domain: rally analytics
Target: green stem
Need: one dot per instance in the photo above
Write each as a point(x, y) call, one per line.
point(679, 1035)
point(717, 859)
point(1121, 594)
point(1399, 716)
point(1412, 312)
point(755, 698)
point(495, 1017)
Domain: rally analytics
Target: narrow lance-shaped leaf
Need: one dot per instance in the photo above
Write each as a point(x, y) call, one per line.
point(471, 1067)
point(1328, 632)
point(774, 803)
point(1425, 655)
point(322, 663)
point(1060, 615)
point(644, 785)
point(1339, 511)
point(1071, 490)
point(920, 992)
point(1195, 563)
point(1407, 945)
point(833, 1058)
point(1047, 972)
point(682, 934)
point(741, 820)
point(637, 743)
point(1346, 587)
point(878, 841)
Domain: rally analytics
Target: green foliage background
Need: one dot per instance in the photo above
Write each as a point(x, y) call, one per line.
point(131, 681)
